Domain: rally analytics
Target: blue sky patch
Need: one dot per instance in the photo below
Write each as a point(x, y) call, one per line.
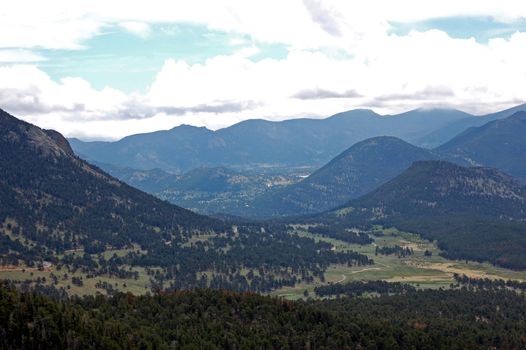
point(480, 28)
point(129, 62)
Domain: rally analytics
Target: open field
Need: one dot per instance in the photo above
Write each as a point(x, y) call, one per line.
point(88, 287)
point(139, 286)
point(419, 270)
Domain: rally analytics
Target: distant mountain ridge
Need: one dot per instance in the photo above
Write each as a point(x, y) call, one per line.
point(368, 164)
point(500, 144)
point(356, 171)
point(440, 136)
point(254, 143)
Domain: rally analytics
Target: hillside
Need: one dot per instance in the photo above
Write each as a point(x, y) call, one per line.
point(452, 129)
point(474, 213)
point(441, 188)
point(500, 144)
point(260, 143)
point(356, 171)
point(359, 169)
point(58, 201)
point(60, 213)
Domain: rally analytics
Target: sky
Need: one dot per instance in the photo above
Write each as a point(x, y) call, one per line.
point(101, 70)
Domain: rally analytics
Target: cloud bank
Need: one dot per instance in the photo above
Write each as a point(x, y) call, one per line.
point(341, 55)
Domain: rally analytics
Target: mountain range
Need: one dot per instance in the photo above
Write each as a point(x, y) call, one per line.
point(260, 143)
point(356, 171)
point(500, 144)
point(51, 202)
point(59, 212)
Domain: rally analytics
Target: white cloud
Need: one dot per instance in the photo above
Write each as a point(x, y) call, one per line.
point(301, 24)
point(389, 73)
point(397, 74)
point(19, 55)
point(137, 28)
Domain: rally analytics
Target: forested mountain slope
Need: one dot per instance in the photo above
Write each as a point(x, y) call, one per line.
point(500, 144)
point(358, 170)
point(476, 213)
point(56, 209)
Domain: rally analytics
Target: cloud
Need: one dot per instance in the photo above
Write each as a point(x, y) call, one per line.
point(429, 93)
point(317, 93)
point(139, 29)
point(216, 107)
point(395, 74)
point(300, 24)
point(20, 56)
point(392, 73)
point(25, 89)
point(136, 110)
point(327, 18)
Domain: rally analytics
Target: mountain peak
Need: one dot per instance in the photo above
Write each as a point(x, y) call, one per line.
point(188, 127)
point(357, 170)
point(47, 142)
point(441, 187)
point(500, 144)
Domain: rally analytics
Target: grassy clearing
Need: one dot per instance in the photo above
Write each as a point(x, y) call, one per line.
point(419, 270)
point(139, 286)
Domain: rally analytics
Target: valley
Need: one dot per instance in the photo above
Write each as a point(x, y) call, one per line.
point(421, 271)
point(211, 191)
point(418, 270)
point(229, 175)
point(403, 224)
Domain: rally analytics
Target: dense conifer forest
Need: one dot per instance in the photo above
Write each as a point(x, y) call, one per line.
point(216, 319)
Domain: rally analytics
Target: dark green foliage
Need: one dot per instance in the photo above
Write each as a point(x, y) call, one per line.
point(208, 319)
point(474, 213)
point(341, 233)
point(59, 203)
point(396, 250)
point(490, 284)
point(439, 319)
point(74, 203)
point(439, 189)
point(501, 242)
point(358, 288)
point(183, 320)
